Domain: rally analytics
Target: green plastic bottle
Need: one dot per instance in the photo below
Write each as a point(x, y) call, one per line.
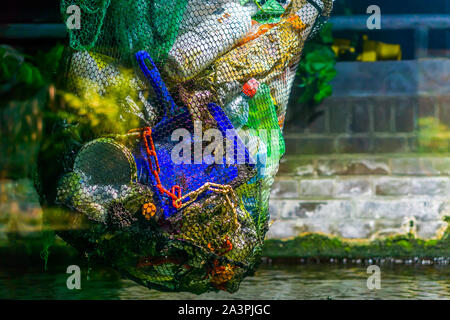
point(263, 116)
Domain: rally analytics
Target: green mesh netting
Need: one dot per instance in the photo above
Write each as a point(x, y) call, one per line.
point(176, 214)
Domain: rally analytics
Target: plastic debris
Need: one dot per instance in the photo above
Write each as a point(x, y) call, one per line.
point(271, 11)
point(238, 109)
point(195, 49)
point(180, 201)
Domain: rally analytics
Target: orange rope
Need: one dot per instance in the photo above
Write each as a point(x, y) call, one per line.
point(175, 192)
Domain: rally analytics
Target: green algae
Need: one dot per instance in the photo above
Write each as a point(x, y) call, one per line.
point(312, 245)
point(321, 246)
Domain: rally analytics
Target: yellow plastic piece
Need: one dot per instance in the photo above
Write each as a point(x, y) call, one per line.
point(378, 51)
point(341, 46)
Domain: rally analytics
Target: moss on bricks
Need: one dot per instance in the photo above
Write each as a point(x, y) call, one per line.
point(307, 246)
point(321, 246)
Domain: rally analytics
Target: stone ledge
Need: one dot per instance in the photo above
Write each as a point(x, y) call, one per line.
point(353, 167)
point(365, 164)
point(317, 188)
point(367, 187)
point(409, 77)
point(399, 248)
point(420, 166)
point(359, 219)
point(353, 187)
point(285, 189)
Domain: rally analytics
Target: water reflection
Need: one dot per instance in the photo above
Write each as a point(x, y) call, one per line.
point(269, 282)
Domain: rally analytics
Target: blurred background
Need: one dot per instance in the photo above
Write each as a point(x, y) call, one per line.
point(367, 135)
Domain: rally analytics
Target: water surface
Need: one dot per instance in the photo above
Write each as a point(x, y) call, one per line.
point(307, 281)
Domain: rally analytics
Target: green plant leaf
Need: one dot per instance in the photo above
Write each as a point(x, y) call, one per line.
point(326, 33)
point(316, 71)
point(25, 73)
point(325, 91)
point(37, 80)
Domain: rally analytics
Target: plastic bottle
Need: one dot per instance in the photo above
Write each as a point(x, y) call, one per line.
point(199, 10)
point(256, 147)
point(195, 49)
point(268, 55)
point(263, 118)
point(281, 86)
point(237, 110)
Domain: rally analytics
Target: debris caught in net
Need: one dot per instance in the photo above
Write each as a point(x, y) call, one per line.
point(180, 201)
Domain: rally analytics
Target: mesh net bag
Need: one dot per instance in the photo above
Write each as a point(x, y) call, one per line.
point(174, 192)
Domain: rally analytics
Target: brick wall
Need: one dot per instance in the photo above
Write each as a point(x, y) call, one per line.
point(361, 197)
point(355, 172)
point(376, 108)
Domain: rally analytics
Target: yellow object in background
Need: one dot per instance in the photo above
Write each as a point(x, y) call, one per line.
point(342, 46)
point(371, 50)
point(378, 51)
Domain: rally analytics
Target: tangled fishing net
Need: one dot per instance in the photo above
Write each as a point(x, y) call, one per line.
point(175, 193)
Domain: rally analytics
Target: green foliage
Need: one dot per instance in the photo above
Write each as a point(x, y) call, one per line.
point(24, 82)
point(48, 62)
point(315, 72)
point(270, 11)
point(433, 136)
point(21, 75)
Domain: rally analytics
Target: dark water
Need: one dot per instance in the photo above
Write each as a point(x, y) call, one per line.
point(269, 282)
